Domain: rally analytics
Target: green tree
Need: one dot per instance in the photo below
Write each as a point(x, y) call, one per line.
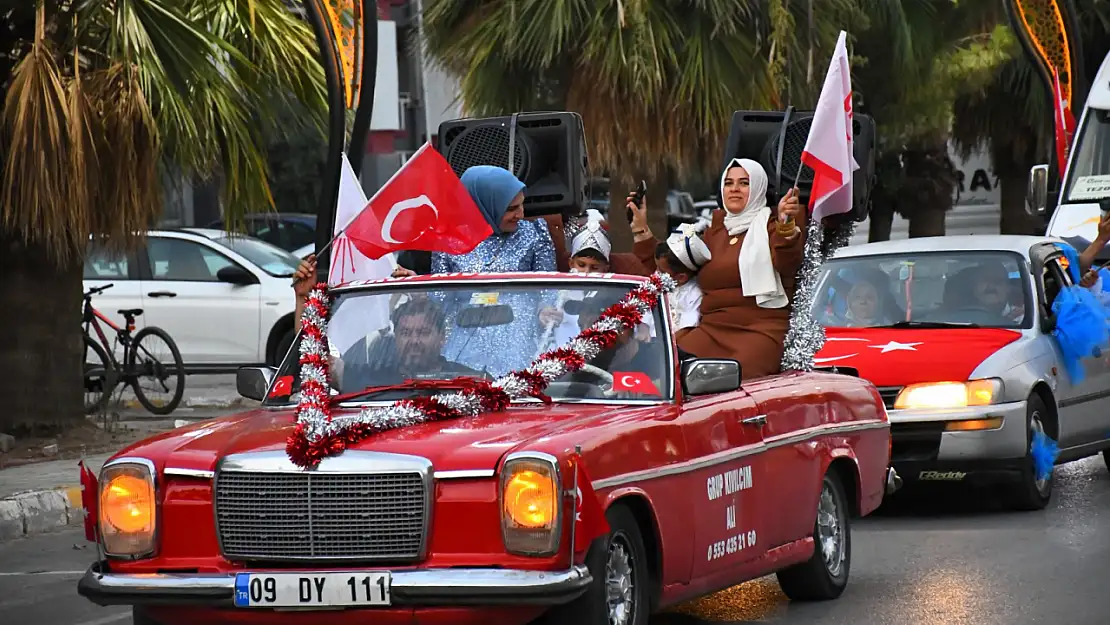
point(99, 96)
point(1021, 135)
point(655, 82)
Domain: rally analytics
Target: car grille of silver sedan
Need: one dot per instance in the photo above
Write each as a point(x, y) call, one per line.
point(295, 516)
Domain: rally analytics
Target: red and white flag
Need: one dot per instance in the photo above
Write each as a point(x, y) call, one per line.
point(828, 150)
point(589, 518)
point(1065, 123)
point(90, 495)
point(424, 206)
point(348, 263)
point(634, 382)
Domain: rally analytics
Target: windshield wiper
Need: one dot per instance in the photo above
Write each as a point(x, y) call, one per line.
point(929, 324)
point(408, 385)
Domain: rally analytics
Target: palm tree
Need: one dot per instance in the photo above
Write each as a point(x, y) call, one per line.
point(921, 55)
point(1020, 136)
point(101, 96)
point(655, 82)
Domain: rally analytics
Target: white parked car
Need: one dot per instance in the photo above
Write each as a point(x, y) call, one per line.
point(226, 302)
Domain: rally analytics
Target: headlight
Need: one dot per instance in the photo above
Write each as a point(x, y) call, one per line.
point(128, 509)
point(530, 504)
point(949, 394)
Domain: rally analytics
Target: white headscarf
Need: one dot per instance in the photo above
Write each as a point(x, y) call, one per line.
point(592, 236)
point(757, 275)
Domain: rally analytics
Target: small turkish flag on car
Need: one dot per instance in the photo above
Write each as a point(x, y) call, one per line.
point(89, 496)
point(589, 518)
point(634, 382)
point(283, 387)
point(424, 206)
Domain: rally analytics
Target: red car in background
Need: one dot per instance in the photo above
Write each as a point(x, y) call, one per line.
point(704, 482)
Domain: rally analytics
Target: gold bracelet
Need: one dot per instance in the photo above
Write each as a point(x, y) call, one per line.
point(785, 229)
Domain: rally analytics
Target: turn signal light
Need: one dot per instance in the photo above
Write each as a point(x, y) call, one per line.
point(127, 509)
point(530, 505)
point(974, 425)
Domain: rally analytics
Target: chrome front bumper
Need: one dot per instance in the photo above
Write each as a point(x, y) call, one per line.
point(428, 587)
point(1006, 442)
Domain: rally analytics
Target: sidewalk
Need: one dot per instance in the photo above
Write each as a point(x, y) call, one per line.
point(44, 496)
point(201, 391)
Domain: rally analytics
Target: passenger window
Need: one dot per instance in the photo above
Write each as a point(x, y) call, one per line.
point(100, 265)
point(180, 260)
point(298, 236)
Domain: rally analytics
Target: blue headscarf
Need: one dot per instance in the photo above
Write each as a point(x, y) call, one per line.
point(493, 189)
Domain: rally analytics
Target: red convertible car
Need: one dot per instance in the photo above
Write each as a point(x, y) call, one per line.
point(696, 481)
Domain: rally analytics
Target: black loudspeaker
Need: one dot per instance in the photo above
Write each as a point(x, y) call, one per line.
point(549, 156)
point(756, 135)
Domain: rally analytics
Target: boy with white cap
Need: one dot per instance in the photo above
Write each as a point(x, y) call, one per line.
point(589, 247)
point(681, 257)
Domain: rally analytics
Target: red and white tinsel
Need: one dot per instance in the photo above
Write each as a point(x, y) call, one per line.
point(319, 434)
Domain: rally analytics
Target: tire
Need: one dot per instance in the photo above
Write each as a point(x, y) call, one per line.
point(99, 376)
point(621, 552)
point(825, 575)
point(164, 371)
point(282, 348)
point(1028, 493)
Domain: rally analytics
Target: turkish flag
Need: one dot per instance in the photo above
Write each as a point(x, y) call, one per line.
point(828, 150)
point(89, 495)
point(634, 382)
point(1065, 123)
point(589, 518)
point(347, 262)
point(282, 387)
point(424, 206)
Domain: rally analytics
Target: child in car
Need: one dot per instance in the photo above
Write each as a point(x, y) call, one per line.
point(681, 257)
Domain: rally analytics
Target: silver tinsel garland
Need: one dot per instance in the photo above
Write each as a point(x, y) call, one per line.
point(806, 336)
point(313, 411)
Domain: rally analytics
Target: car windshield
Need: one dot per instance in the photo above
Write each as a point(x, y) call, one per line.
point(931, 289)
point(400, 341)
point(1089, 176)
point(273, 260)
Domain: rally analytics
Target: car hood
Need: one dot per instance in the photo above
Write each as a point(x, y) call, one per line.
point(897, 357)
point(462, 444)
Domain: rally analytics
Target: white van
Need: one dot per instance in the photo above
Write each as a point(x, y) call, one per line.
point(1088, 171)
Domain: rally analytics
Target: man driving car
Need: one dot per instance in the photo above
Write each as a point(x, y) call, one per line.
point(413, 351)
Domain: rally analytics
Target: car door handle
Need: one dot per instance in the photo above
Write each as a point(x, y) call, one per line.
point(759, 419)
point(162, 294)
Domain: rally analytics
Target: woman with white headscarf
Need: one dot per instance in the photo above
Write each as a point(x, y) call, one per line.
point(749, 281)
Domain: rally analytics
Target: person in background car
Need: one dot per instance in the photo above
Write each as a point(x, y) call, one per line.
point(1097, 279)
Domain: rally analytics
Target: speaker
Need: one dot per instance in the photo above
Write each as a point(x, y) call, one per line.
point(549, 156)
point(756, 135)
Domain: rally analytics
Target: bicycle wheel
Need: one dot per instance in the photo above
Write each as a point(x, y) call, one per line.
point(99, 376)
point(145, 361)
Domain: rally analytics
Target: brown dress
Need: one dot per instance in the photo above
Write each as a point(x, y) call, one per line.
point(732, 325)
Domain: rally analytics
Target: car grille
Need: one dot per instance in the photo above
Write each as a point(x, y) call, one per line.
point(915, 441)
point(889, 394)
point(279, 516)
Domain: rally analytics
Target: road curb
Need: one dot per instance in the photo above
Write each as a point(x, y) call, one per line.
point(40, 511)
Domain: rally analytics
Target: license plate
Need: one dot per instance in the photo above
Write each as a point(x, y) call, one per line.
point(311, 590)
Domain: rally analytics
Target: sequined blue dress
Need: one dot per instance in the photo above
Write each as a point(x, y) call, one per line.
point(503, 348)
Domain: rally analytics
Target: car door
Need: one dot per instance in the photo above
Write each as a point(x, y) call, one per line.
point(724, 494)
point(1082, 415)
point(103, 268)
point(212, 322)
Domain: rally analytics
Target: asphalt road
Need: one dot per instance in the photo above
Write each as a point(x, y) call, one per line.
point(947, 558)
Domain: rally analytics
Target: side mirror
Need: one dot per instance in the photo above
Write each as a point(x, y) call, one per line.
point(1036, 195)
point(707, 376)
point(253, 382)
point(234, 274)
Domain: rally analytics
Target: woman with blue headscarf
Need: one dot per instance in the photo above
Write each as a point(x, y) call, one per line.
point(515, 245)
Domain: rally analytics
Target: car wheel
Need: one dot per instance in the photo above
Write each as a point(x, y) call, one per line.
point(282, 348)
point(825, 575)
point(1029, 493)
point(620, 593)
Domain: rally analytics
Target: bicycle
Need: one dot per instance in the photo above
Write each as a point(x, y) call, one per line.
point(106, 371)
